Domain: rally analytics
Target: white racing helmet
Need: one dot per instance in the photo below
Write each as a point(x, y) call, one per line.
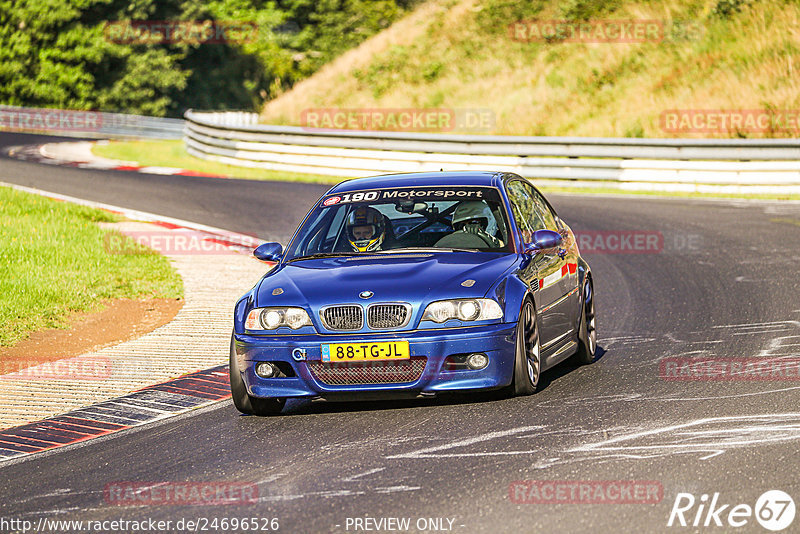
point(474, 212)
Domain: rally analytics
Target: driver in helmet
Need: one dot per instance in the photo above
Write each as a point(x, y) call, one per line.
point(470, 221)
point(365, 229)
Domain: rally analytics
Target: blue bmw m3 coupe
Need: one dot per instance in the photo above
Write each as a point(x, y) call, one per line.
point(414, 284)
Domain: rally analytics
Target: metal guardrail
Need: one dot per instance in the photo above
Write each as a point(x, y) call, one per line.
point(88, 124)
point(237, 138)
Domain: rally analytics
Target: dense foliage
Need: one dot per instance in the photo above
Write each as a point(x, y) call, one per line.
point(61, 53)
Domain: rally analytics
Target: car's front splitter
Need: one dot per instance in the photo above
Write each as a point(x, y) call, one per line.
point(496, 341)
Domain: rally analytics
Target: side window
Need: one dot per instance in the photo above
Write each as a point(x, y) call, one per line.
point(331, 243)
point(544, 210)
point(524, 209)
point(336, 224)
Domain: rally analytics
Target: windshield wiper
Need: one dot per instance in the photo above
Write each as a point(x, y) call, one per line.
point(387, 252)
point(425, 249)
point(322, 255)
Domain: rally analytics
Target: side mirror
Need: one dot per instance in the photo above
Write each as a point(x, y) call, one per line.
point(269, 252)
point(543, 239)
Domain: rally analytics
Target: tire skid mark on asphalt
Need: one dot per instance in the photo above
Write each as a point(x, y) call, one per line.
point(708, 437)
point(60, 492)
point(332, 493)
point(364, 474)
point(429, 451)
point(778, 344)
point(750, 325)
point(781, 339)
point(577, 400)
point(371, 441)
point(704, 438)
point(361, 483)
point(149, 404)
point(54, 512)
point(624, 340)
point(396, 489)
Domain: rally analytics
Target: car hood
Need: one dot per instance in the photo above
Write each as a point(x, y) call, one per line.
point(413, 278)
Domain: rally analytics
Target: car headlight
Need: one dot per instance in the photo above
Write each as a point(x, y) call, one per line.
point(463, 310)
point(272, 318)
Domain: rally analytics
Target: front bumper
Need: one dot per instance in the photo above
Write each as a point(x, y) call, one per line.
point(497, 341)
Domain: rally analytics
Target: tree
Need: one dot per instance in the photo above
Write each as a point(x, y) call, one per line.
point(65, 53)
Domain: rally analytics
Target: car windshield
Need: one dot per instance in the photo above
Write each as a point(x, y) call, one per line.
point(409, 218)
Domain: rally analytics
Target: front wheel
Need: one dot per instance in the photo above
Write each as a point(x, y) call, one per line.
point(587, 335)
point(527, 363)
point(242, 400)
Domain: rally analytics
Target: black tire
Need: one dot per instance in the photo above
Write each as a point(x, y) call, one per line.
point(242, 400)
point(587, 333)
point(527, 362)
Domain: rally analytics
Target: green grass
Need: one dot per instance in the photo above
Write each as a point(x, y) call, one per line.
point(172, 153)
point(53, 263)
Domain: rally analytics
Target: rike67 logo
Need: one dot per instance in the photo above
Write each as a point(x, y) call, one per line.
point(774, 510)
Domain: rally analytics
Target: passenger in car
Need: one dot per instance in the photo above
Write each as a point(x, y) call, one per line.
point(470, 222)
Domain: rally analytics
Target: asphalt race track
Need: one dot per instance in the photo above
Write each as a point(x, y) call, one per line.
point(723, 283)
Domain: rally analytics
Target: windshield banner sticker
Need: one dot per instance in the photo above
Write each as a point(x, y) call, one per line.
point(398, 194)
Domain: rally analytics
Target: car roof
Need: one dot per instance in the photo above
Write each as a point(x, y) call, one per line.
point(422, 179)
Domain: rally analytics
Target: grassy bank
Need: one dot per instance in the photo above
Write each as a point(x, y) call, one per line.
point(53, 263)
point(471, 55)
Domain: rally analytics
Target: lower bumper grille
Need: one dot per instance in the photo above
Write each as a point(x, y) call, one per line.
point(386, 372)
